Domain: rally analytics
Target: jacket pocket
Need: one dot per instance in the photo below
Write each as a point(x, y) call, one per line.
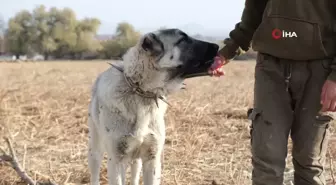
point(289, 38)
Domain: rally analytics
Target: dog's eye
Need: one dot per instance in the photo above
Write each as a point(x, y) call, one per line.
point(184, 38)
point(180, 41)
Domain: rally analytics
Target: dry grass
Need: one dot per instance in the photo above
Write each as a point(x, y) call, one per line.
point(44, 111)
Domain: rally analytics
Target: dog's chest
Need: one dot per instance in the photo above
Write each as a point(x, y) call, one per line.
point(137, 110)
point(154, 111)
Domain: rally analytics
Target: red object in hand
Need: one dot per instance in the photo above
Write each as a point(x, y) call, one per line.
point(216, 67)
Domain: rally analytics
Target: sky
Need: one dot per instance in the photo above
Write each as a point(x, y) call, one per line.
point(208, 17)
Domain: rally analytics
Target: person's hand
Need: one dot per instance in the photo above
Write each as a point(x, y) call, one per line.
point(216, 68)
point(328, 96)
point(229, 51)
point(223, 58)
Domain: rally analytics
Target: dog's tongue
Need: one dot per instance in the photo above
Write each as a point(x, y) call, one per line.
point(216, 67)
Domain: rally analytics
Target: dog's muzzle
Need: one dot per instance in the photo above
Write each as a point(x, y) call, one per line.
point(203, 56)
point(198, 71)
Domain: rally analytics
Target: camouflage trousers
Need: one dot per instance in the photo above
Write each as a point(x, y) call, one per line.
point(287, 103)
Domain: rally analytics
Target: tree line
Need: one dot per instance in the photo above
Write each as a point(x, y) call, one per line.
point(59, 34)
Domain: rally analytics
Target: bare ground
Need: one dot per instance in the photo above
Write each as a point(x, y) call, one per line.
point(44, 111)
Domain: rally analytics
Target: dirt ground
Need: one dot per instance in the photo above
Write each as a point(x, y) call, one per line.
point(43, 109)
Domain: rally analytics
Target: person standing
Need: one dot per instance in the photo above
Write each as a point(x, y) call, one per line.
point(295, 84)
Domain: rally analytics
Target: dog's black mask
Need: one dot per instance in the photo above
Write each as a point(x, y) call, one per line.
point(197, 57)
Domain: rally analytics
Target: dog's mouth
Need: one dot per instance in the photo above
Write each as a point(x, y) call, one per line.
point(196, 70)
point(211, 67)
point(197, 61)
point(201, 62)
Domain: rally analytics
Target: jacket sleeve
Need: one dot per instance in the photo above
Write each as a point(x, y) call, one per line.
point(332, 75)
point(250, 20)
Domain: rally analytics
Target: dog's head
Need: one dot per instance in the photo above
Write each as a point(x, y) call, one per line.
point(174, 56)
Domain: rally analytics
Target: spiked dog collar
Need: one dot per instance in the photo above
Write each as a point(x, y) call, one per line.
point(137, 90)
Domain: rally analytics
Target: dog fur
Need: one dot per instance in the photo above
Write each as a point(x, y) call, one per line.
point(130, 128)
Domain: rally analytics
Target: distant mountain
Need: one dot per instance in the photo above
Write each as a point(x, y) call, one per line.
point(208, 34)
point(102, 37)
point(204, 38)
point(190, 28)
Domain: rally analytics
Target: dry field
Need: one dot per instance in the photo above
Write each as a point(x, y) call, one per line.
point(44, 111)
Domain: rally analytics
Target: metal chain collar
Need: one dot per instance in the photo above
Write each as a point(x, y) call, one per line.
point(137, 90)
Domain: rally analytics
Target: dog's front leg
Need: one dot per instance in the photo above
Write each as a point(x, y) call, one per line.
point(135, 171)
point(151, 157)
point(152, 170)
point(116, 168)
point(115, 171)
point(95, 154)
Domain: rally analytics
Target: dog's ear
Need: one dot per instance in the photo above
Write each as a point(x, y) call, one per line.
point(152, 44)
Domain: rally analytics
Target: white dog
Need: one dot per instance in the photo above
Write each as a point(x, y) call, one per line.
point(126, 112)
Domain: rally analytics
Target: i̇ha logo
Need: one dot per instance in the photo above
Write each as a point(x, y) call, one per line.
point(277, 34)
